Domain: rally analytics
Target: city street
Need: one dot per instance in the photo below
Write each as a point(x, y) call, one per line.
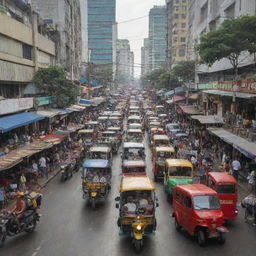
point(69, 227)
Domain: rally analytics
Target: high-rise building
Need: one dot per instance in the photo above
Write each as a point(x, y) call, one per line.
point(157, 37)
point(176, 31)
point(65, 16)
point(145, 57)
point(101, 27)
point(125, 61)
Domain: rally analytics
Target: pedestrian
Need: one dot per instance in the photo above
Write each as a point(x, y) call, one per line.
point(236, 166)
point(227, 166)
point(251, 181)
point(23, 181)
point(43, 167)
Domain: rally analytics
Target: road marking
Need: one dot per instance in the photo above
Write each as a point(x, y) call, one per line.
point(36, 251)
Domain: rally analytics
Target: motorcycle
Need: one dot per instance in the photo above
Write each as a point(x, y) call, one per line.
point(66, 171)
point(10, 227)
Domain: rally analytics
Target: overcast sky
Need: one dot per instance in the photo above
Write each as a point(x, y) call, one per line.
point(135, 31)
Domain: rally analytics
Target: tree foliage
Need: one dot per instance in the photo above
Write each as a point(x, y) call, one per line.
point(233, 37)
point(185, 71)
point(52, 81)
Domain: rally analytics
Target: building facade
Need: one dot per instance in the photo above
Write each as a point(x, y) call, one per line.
point(176, 31)
point(157, 37)
point(25, 46)
point(208, 15)
point(65, 17)
point(84, 35)
point(125, 61)
point(145, 57)
point(101, 26)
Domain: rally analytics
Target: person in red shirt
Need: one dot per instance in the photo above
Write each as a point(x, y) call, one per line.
point(20, 207)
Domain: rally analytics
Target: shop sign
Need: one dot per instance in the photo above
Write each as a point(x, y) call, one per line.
point(41, 101)
point(15, 105)
point(247, 86)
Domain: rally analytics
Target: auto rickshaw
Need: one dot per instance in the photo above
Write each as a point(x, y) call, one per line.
point(226, 187)
point(136, 126)
point(134, 167)
point(92, 125)
point(177, 172)
point(133, 150)
point(134, 119)
point(87, 136)
point(100, 152)
point(134, 135)
point(154, 124)
point(160, 109)
point(96, 176)
point(159, 155)
point(159, 140)
point(137, 204)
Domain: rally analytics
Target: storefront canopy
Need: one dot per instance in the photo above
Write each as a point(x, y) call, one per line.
point(46, 113)
point(211, 119)
point(190, 109)
point(11, 122)
point(86, 102)
point(194, 96)
point(242, 95)
point(246, 147)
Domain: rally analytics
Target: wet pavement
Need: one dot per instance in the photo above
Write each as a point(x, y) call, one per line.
point(69, 227)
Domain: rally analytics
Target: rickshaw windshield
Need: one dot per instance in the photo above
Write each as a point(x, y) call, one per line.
point(137, 202)
point(164, 154)
point(226, 189)
point(180, 171)
point(206, 202)
point(134, 152)
point(96, 174)
point(99, 155)
point(134, 169)
point(162, 143)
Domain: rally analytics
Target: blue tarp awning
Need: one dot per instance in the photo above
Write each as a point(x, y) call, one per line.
point(11, 122)
point(169, 93)
point(85, 101)
point(61, 111)
point(83, 80)
point(94, 83)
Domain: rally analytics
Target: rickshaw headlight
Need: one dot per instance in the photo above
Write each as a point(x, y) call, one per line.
point(139, 227)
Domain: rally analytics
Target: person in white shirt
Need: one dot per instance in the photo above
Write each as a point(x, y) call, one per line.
point(42, 166)
point(143, 201)
point(236, 166)
point(251, 181)
point(130, 206)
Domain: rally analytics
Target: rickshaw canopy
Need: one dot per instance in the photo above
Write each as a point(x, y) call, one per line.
point(164, 149)
point(86, 131)
point(133, 145)
point(178, 162)
point(96, 163)
point(134, 163)
point(222, 177)
point(103, 149)
point(129, 183)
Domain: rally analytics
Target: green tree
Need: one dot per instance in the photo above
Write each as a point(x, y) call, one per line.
point(52, 81)
point(168, 80)
point(233, 37)
point(185, 71)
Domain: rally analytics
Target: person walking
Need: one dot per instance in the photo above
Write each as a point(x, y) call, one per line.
point(251, 182)
point(43, 167)
point(23, 181)
point(236, 166)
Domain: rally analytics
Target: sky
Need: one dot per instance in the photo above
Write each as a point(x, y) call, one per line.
point(135, 31)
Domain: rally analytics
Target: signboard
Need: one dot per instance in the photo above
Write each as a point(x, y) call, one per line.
point(247, 85)
point(41, 101)
point(15, 105)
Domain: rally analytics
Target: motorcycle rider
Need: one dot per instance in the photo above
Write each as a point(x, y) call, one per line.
point(20, 207)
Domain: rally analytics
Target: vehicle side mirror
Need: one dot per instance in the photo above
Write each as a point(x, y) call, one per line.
point(157, 199)
point(157, 204)
point(117, 205)
point(117, 198)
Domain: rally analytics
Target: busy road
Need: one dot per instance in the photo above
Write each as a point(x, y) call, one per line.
point(70, 227)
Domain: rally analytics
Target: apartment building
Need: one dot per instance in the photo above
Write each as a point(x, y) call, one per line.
point(177, 47)
point(145, 57)
point(25, 46)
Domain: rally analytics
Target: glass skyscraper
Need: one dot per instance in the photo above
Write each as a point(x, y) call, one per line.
point(101, 18)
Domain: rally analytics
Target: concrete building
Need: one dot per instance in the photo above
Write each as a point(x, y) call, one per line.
point(177, 49)
point(84, 35)
point(207, 15)
point(125, 61)
point(65, 16)
point(145, 57)
point(101, 27)
point(24, 47)
point(157, 37)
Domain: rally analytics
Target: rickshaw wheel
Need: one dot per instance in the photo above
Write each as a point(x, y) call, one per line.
point(201, 237)
point(138, 245)
point(222, 238)
point(93, 203)
point(177, 225)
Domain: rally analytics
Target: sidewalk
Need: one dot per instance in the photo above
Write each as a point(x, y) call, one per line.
point(41, 181)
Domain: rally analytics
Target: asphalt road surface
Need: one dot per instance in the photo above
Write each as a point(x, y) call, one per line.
point(69, 227)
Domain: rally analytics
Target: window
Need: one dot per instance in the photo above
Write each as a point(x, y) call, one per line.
point(226, 189)
point(206, 202)
point(180, 170)
point(182, 52)
point(177, 8)
point(177, 1)
point(183, 39)
point(183, 16)
point(204, 12)
point(184, 1)
point(230, 11)
point(183, 25)
point(176, 16)
point(27, 51)
point(187, 202)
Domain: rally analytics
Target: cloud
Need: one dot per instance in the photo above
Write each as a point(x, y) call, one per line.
point(134, 31)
